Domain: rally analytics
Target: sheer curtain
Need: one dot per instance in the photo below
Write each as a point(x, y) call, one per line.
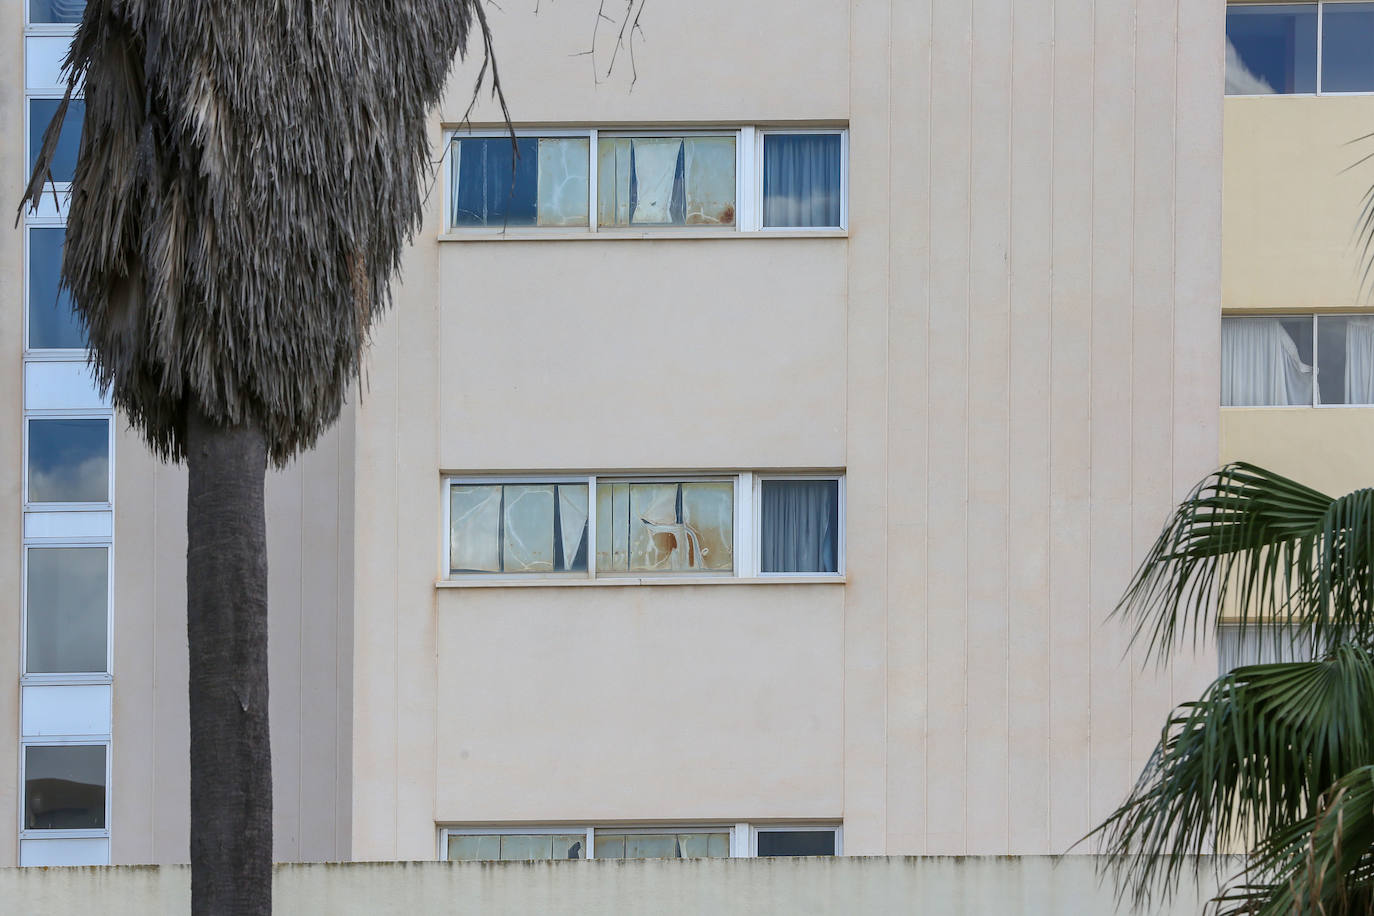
point(1359, 361)
point(801, 180)
point(1260, 365)
point(800, 526)
point(1259, 647)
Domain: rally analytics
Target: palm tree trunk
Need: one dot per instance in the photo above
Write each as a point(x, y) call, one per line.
point(226, 624)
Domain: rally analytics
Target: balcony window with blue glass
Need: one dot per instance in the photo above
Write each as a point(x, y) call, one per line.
point(53, 324)
point(1348, 47)
point(1271, 49)
point(41, 113)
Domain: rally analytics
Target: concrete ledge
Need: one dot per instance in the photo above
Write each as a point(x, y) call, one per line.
point(930, 886)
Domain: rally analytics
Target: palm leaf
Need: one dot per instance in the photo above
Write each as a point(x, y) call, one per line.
point(1275, 553)
point(1254, 754)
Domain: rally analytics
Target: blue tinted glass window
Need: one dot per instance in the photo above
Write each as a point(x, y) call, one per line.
point(488, 192)
point(1271, 49)
point(69, 461)
point(40, 115)
point(801, 180)
point(52, 321)
point(1348, 47)
point(56, 10)
point(64, 788)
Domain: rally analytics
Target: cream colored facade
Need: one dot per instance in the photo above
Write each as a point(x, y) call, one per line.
point(1010, 355)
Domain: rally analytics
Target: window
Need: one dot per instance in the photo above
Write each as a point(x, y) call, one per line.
point(802, 180)
point(1251, 645)
point(53, 324)
point(56, 11)
point(799, 522)
point(748, 179)
point(1294, 361)
point(518, 528)
point(66, 610)
point(1347, 47)
point(492, 844)
point(1291, 48)
point(41, 112)
point(69, 460)
point(665, 526)
point(64, 787)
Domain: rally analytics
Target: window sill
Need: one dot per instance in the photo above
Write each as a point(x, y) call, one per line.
point(618, 235)
point(619, 581)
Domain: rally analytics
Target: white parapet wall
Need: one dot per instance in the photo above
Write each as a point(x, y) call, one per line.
point(935, 886)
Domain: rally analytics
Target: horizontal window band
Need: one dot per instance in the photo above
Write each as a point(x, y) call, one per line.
point(559, 581)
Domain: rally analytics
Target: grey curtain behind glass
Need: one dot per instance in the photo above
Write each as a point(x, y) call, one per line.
point(801, 180)
point(801, 526)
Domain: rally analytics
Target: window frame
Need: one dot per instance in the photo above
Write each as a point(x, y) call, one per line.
point(65, 678)
point(1321, 34)
point(748, 183)
point(38, 833)
point(743, 835)
point(842, 515)
point(1316, 359)
point(517, 480)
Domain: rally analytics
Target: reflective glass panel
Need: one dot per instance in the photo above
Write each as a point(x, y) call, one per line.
point(547, 185)
point(69, 461)
point(1271, 49)
point(64, 788)
point(800, 526)
point(67, 610)
point(666, 181)
point(801, 180)
point(1345, 359)
point(796, 842)
point(1348, 47)
point(665, 526)
point(41, 112)
point(52, 320)
point(56, 10)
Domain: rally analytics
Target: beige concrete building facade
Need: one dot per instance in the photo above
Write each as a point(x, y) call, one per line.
point(996, 351)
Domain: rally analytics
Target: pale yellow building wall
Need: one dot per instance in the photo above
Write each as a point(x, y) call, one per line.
point(1013, 355)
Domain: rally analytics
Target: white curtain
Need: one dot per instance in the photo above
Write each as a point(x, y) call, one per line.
point(1258, 646)
point(1260, 366)
point(1359, 361)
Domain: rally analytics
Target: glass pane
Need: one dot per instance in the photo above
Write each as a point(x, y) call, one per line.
point(708, 511)
point(704, 845)
point(64, 788)
point(40, 114)
point(666, 181)
point(1266, 362)
point(485, 190)
point(1256, 646)
point(474, 528)
point(800, 521)
point(564, 163)
point(1348, 47)
point(796, 842)
point(609, 846)
point(571, 524)
point(474, 848)
point(526, 847)
point(652, 846)
point(1345, 352)
point(1271, 49)
point(570, 846)
point(69, 461)
point(801, 180)
point(665, 527)
point(56, 10)
point(67, 599)
point(52, 320)
point(527, 530)
point(613, 527)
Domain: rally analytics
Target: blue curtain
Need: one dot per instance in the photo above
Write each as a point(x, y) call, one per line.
point(801, 180)
point(801, 526)
point(484, 192)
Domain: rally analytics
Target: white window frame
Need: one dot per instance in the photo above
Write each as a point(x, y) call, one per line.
point(748, 183)
point(76, 414)
point(26, 833)
point(1321, 6)
point(743, 835)
point(517, 480)
point(757, 190)
point(757, 500)
point(46, 28)
point(65, 678)
point(1316, 360)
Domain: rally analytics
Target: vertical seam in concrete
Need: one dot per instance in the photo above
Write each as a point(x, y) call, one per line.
point(301, 611)
point(925, 555)
point(1092, 288)
point(1173, 304)
point(395, 601)
point(1049, 455)
point(1011, 266)
point(1130, 359)
point(968, 427)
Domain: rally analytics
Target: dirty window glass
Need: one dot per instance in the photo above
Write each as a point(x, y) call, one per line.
point(516, 847)
point(1348, 47)
point(41, 112)
point(69, 461)
point(52, 320)
point(518, 528)
point(1271, 49)
point(662, 845)
point(66, 600)
point(665, 526)
point(48, 11)
point(64, 788)
point(547, 185)
point(666, 181)
point(801, 180)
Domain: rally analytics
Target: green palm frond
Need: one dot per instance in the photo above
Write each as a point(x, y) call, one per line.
point(1273, 552)
point(1253, 755)
point(1322, 864)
